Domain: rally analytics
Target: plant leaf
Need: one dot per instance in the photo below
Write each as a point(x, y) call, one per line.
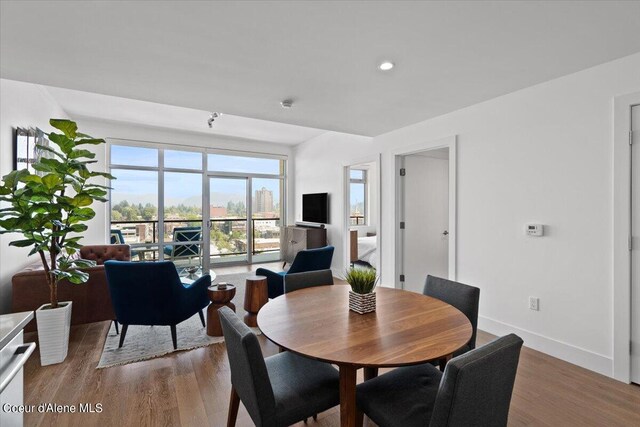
point(68, 127)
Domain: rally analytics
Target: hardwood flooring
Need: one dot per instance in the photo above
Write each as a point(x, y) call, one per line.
point(191, 388)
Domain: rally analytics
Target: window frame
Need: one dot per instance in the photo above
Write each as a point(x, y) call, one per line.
point(365, 181)
point(160, 169)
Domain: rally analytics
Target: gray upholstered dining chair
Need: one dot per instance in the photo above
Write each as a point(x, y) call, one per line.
point(277, 391)
point(463, 297)
point(474, 390)
point(307, 279)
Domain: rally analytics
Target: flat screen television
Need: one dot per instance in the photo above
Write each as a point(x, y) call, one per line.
point(315, 208)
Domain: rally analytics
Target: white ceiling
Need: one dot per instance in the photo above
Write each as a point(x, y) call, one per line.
point(78, 104)
point(243, 58)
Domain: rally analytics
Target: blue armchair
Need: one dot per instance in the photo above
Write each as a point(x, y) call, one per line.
point(307, 260)
point(150, 293)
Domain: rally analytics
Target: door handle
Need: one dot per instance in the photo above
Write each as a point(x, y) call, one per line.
point(445, 233)
point(22, 352)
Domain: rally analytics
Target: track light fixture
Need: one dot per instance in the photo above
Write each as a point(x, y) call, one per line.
point(212, 118)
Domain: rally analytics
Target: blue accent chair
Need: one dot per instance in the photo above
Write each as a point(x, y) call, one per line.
point(150, 293)
point(306, 260)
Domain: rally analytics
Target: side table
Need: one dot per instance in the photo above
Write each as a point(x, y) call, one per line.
point(219, 298)
point(256, 295)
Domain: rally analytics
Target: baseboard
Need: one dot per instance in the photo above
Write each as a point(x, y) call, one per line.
point(567, 352)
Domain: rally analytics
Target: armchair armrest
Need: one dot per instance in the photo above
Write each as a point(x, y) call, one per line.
point(275, 281)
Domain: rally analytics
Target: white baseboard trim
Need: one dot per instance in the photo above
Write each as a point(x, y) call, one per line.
point(567, 352)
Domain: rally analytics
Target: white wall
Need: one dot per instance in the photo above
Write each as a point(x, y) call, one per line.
point(319, 168)
point(542, 154)
point(21, 105)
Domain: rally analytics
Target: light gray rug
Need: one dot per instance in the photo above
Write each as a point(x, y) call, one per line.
point(147, 342)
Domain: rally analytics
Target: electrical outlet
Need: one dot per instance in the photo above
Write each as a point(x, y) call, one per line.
point(534, 303)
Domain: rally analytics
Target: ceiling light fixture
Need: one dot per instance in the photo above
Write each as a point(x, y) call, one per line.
point(212, 118)
point(386, 66)
point(287, 103)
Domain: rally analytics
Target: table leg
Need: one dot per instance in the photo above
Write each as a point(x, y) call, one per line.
point(348, 396)
point(443, 361)
point(370, 373)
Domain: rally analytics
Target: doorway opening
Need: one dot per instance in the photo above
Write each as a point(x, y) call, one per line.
point(425, 213)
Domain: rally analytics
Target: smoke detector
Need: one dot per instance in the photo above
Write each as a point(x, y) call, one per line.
point(287, 103)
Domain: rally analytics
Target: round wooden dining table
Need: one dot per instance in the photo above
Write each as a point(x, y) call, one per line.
point(406, 329)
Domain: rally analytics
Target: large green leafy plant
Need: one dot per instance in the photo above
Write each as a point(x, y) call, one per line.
point(50, 209)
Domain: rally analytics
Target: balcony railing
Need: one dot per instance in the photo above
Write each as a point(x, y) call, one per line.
point(357, 220)
point(148, 244)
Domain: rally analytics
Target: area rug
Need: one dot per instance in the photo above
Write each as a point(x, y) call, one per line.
point(147, 342)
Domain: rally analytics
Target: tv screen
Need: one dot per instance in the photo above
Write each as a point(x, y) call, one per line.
point(315, 208)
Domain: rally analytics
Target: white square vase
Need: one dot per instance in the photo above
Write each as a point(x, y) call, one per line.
point(362, 303)
point(53, 332)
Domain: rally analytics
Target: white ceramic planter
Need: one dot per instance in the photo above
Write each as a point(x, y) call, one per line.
point(362, 303)
point(53, 332)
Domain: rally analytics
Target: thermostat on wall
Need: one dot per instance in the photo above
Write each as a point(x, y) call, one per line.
point(534, 230)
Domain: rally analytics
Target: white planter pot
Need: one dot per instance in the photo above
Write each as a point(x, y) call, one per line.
point(362, 303)
point(53, 332)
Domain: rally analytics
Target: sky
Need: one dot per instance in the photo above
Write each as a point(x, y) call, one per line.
point(138, 186)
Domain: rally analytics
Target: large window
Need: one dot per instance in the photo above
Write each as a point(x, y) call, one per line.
point(194, 207)
point(358, 194)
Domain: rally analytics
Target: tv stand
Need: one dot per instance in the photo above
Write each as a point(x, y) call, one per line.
point(298, 238)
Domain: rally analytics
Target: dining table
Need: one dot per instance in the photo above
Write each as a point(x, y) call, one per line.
point(406, 328)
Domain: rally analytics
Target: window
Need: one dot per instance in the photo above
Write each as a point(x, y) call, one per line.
point(358, 192)
point(161, 207)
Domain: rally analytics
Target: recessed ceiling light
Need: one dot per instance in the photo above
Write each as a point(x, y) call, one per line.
point(386, 66)
point(287, 103)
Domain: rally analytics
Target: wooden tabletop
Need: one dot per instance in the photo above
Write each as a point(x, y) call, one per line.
point(407, 328)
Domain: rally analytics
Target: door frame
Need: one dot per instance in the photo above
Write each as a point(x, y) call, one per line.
point(449, 142)
point(376, 159)
point(621, 236)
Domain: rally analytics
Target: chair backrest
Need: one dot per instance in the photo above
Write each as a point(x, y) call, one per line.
point(463, 297)
point(476, 387)
point(187, 234)
point(312, 260)
point(143, 293)
point(117, 238)
point(249, 376)
point(308, 279)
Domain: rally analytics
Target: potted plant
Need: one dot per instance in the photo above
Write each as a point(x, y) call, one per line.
point(362, 298)
point(49, 208)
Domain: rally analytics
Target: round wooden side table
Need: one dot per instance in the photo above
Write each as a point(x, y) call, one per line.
point(256, 295)
point(219, 298)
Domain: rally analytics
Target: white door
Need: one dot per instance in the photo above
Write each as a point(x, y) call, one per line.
point(426, 217)
point(635, 253)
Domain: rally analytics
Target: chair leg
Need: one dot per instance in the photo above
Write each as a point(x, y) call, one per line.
point(202, 318)
point(234, 403)
point(174, 337)
point(123, 334)
point(117, 327)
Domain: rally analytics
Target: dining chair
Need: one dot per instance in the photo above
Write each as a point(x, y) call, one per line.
point(308, 279)
point(474, 390)
point(277, 391)
point(463, 297)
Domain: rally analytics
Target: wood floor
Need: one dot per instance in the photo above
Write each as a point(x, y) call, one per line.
point(191, 388)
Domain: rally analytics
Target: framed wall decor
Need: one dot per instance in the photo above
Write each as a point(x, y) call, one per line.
point(25, 148)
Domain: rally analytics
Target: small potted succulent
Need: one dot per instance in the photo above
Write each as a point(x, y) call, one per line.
point(362, 298)
point(50, 210)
